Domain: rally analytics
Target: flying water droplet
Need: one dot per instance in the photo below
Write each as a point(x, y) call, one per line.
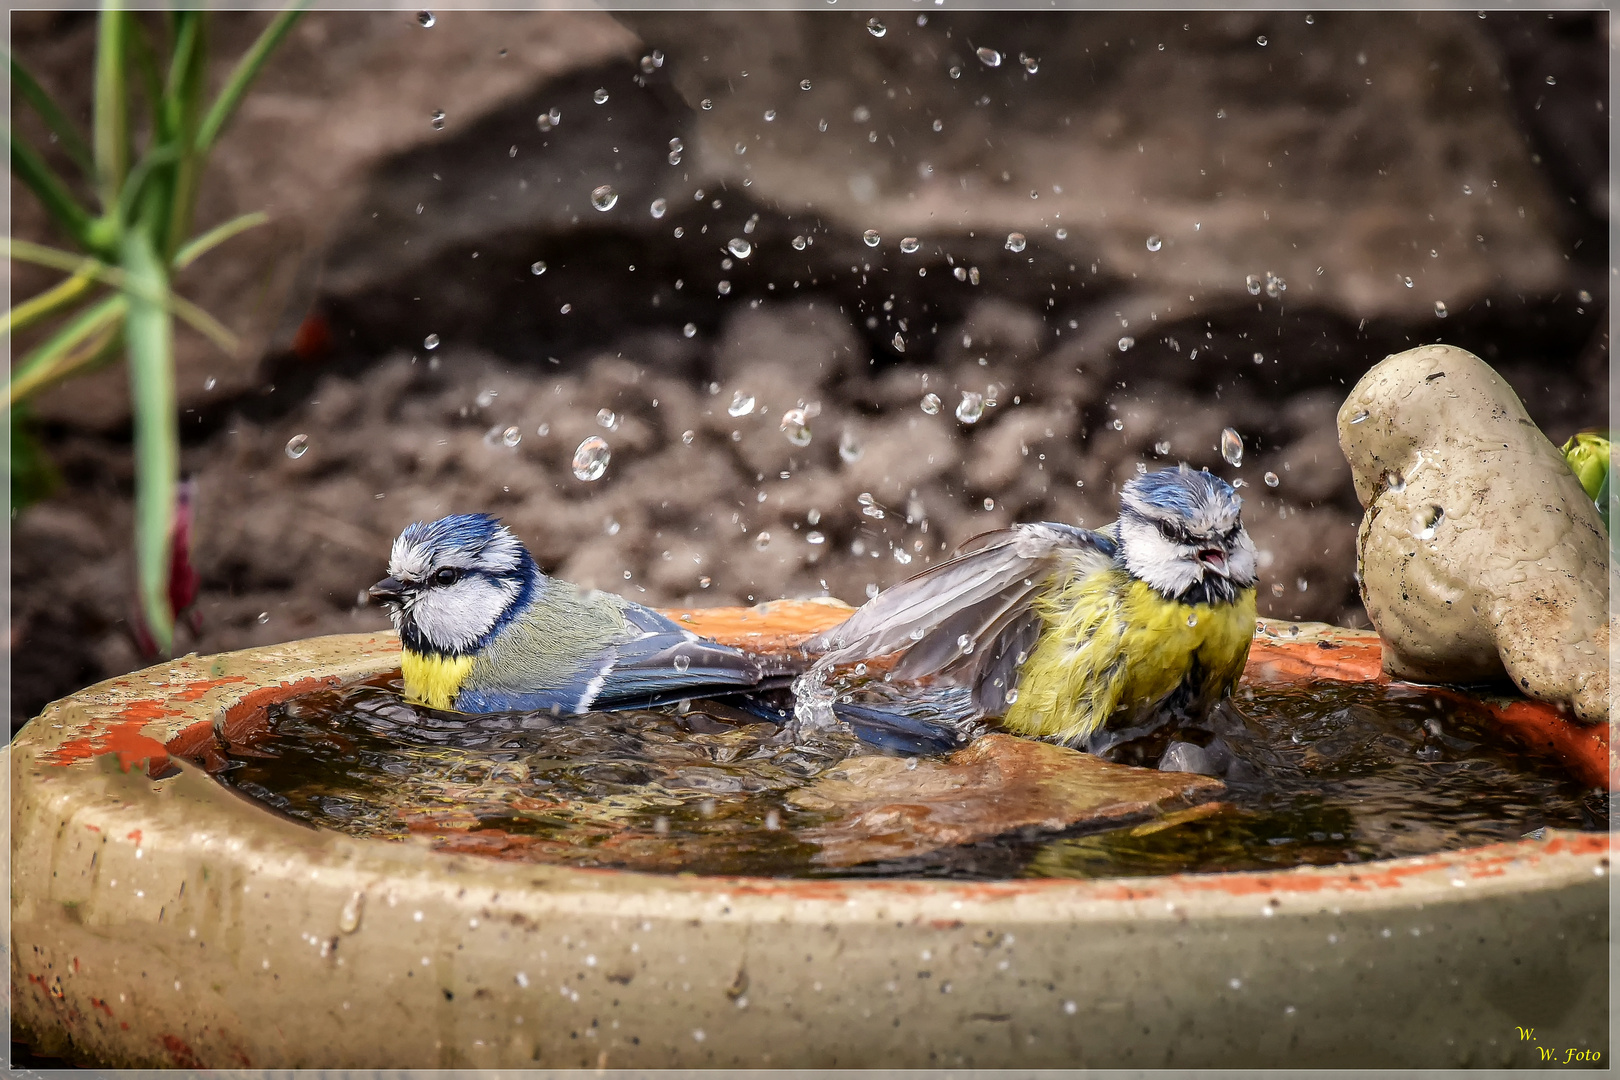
point(804, 84)
point(706, 104)
point(425, 19)
point(600, 97)
point(538, 267)
point(910, 245)
point(1127, 343)
point(899, 342)
point(989, 57)
point(591, 458)
point(1154, 243)
point(872, 237)
point(1015, 241)
point(1440, 309)
point(1252, 283)
point(689, 330)
point(723, 288)
point(1261, 40)
point(606, 418)
point(1275, 286)
point(1259, 358)
point(970, 408)
point(437, 120)
point(430, 342)
point(1031, 64)
point(1162, 448)
point(849, 447)
point(930, 404)
point(876, 28)
point(741, 404)
point(796, 427)
point(210, 382)
point(739, 247)
point(1232, 447)
point(355, 906)
point(604, 197)
point(511, 436)
point(799, 243)
point(1271, 480)
point(762, 540)
point(297, 446)
point(659, 208)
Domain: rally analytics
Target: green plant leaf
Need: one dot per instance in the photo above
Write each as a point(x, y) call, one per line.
point(247, 69)
point(110, 135)
point(75, 347)
point(63, 294)
point(58, 201)
point(71, 141)
point(150, 343)
point(201, 245)
point(194, 316)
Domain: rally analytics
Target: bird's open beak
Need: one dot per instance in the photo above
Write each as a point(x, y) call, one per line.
point(1213, 560)
point(389, 588)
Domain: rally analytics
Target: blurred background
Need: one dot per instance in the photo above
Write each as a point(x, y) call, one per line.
point(831, 291)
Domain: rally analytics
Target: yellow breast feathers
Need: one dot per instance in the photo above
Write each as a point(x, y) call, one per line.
point(1110, 643)
point(434, 680)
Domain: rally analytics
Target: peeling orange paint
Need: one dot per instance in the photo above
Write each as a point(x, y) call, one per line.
point(121, 735)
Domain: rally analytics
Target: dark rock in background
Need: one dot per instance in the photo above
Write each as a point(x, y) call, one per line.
point(1358, 144)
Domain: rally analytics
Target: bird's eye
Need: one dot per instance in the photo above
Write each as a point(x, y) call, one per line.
point(1170, 532)
point(446, 575)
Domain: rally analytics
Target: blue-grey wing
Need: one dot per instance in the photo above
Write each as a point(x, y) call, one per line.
point(663, 662)
point(970, 619)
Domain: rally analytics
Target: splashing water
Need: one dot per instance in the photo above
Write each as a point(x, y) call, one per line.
point(739, 247)
point(876, 28)
point(537, 267)
point(604, 198)
point(850, 449)
point(1271, 480)
point(795, 425)
point(989, 57)
point(425, 19)
point(1232, 447)
point(1015, 242)
point(741, 404)
point(970, 408)
point(659, 208)
point(297, 446)
point(591, 458)
point(430, 342)
point(872, 237)
point(910, 244)
point(1154, 243)
point(930, 404)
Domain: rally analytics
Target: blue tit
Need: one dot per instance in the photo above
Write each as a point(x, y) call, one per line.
point(1064, 632)
point(483, 630)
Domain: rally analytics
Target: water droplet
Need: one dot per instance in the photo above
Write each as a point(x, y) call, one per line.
point(872, 237)
point(1261, 40)
point(970, 408)
point(1232, 447)
point(437, 120)
point(210, 382)
point(1015, 241)
point(591, 458)
point(799, 243)
point(537, 267)
point(910, 245)
point(1192, 618)
point(606, 418)
point(689, 330)
point(814, 537)
point(960, 273)
point(1275, 286)
point(600, 97)
point(1259, 358)
point(741, 404)
point(724, 288)
point(1439, 309)
point(1117, 425)
point(1031, 64)
point(355, 906)
point(1360, 416)
point(1252, 283)
point(989, 57)
point(930, 404)
point(762, 540)
point(1468, 189)
point(511, 436)
point(681, 661)
point(1551, 81)
point(804, 84)
point(1429, 522)
point(989, 503)
point(425, 19)
point(706, 104)
point(796, 427)
point(1154, 243)
point(297, 446)
point(263, 619)
point(1394, 481)
point(876, 28)
point(604, 197)
point(739, 247)
point(1126, 344)
point(1584, 297)
point(674, 157)
point(849, 447)
point(1162, 448)
point(1271, 480)
point(658, 208)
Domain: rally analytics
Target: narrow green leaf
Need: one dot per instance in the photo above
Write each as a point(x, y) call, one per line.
point(63, 294)
point(135, 183)
point(59, 202)
point(150, 343)
point(200, 245)
point(71, 141)
point(146, 66)
point(187, 88)
point(194, 316)
point(247, 69)
point(111, 132)
point(70, 349)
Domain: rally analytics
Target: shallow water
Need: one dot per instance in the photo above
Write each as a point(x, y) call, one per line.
point(1318, 773)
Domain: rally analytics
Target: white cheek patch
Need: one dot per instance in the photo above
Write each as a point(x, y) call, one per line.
point(454, 617)
point(1157, 561)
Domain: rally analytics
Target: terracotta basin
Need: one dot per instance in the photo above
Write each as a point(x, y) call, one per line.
point(158, 919)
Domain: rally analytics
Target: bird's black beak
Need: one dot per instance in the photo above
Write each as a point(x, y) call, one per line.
point(389, 588)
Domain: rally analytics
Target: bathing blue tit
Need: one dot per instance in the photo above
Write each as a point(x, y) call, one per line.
point(1062, 631)
point(483, 630)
